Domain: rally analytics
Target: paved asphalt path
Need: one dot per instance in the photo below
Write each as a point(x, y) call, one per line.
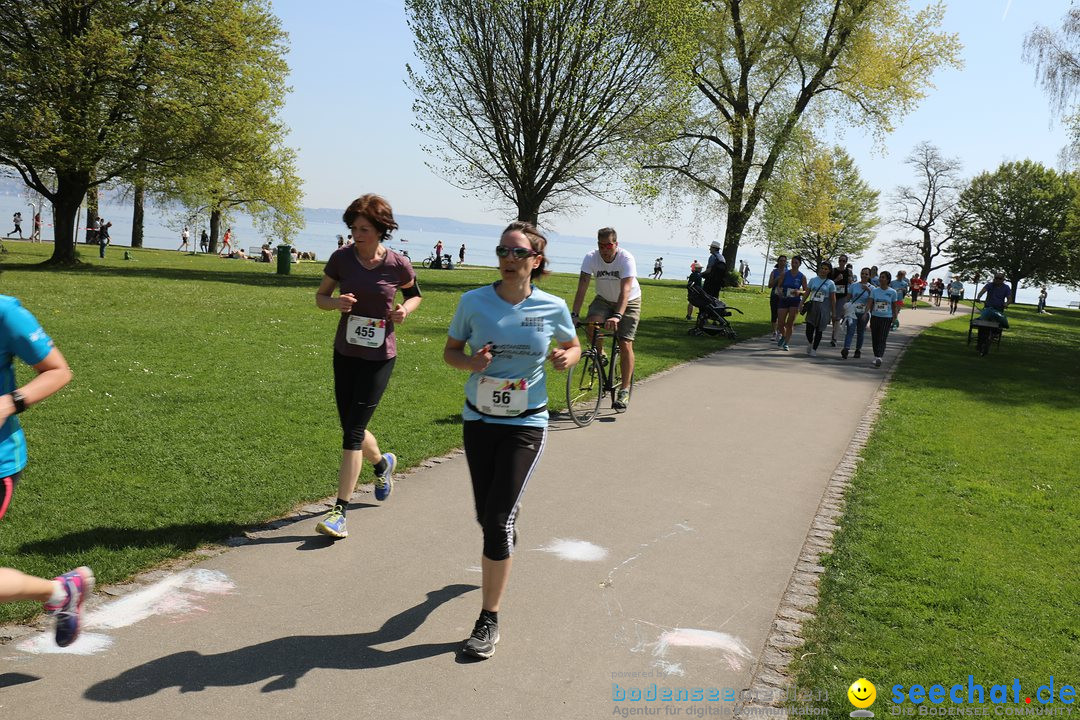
point(655, 546)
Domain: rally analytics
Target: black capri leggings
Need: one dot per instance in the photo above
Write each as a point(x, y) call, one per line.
point(879, 333)
point(358, 387)
point(774, 305)
point(501, 460)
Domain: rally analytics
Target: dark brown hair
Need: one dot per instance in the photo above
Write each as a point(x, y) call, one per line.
point(607, 232)
point(375, 210)
point(537, 242)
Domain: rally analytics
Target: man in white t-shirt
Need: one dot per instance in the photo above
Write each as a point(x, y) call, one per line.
point(617, 303)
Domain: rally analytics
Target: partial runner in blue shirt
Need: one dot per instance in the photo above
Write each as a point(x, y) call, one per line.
point(23, 337)
point(509, 327)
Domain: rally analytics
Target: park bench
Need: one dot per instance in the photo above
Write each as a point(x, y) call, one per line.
point(1075, 304)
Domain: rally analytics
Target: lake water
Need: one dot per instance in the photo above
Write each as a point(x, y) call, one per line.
point(564, 252)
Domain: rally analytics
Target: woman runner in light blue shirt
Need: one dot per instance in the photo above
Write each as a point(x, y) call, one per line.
point(509, 327)
point(883, 303)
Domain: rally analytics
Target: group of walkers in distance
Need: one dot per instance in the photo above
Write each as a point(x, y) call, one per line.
point(835, 301)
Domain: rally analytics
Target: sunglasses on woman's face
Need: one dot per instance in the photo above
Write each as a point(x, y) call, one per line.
point(518, 253)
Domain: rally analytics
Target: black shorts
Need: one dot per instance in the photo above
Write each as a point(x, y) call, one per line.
point(358, 387)
point(7, 490)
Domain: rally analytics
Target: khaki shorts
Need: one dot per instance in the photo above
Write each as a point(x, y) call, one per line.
point(604, 309)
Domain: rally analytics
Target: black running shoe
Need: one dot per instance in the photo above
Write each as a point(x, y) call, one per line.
point(481, 643)
point(858, 353)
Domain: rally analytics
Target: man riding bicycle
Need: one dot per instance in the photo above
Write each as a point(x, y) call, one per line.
point(617, 303)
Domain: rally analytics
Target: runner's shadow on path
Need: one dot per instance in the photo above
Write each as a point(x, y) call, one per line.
point(283, 661)
point(9, 679)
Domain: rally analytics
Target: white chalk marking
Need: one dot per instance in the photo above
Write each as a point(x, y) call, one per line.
point(732, 650)
point(575, 550)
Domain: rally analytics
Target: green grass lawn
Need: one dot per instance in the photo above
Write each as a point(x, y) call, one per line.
point(959, 545)
point(202, 400)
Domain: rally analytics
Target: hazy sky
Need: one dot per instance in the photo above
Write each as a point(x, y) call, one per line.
point(351, 117)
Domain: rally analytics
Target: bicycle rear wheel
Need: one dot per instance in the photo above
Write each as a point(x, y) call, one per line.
point(583, 390)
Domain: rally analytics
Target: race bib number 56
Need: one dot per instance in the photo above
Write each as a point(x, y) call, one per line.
point(502, 397)
point(369, 332)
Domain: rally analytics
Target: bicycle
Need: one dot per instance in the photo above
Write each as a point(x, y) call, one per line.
point(986, 332)
point(594, 375)
point(437, 263)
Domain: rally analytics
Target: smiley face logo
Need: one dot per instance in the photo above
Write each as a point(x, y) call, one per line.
point(862, 693)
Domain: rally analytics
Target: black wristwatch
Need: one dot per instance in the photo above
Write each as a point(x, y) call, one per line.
point(19, 400)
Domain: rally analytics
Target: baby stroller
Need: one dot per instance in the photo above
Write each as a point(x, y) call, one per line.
point(712, 313)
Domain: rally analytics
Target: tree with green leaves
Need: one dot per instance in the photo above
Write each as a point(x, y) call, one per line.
point(535, 102)
point(820, 206)
point(1015, 220)
point(107, 91)
point(925, 208)
point(765, 66)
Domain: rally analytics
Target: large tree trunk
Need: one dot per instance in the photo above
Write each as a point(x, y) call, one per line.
point(215, 227)
point(91, 214)
point(529, 209)
point(70, 189)
point(138, 215)
point(736, 223)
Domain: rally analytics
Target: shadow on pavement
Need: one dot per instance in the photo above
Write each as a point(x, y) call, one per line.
point(9, 679)
point(184, 537)
point(283, 661)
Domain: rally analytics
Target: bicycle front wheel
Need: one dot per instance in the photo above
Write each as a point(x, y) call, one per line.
point(426, 264)
point(583, 390)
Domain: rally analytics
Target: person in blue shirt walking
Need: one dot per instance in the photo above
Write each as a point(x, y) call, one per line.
point(822, 299)
point(508, 326)
point(883, 309)
point(22, 336)
point(792, 284)
point(855, 313)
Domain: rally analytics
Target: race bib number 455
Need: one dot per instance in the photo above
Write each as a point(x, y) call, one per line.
point(502, 397)
point(369, 332)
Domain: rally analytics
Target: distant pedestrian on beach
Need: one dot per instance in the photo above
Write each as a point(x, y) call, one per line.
point(204, 241)
point(461, 254)
point(1042, 300)
point(17, 218)
point(226, 243)
point(658, 268)
point(104, 240)
point(184, 239)
point(438, 251)
point(36, 235)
